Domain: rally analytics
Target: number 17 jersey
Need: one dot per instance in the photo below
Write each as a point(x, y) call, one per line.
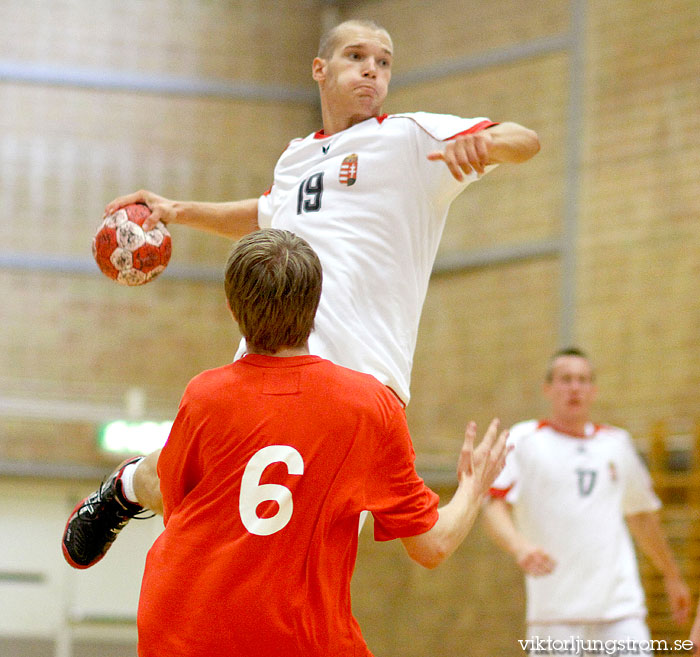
point(570, 496)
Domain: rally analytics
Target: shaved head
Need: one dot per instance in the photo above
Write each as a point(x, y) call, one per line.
point(329, 41)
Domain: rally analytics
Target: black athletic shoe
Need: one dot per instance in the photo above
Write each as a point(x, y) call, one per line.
point(95, 522)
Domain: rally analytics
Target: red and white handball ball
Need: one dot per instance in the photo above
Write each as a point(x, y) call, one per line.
point(127, 253)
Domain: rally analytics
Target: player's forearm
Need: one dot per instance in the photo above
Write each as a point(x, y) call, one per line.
point(648, 533)
point(477, 469)
point(649, 536)
point(500, 527)
point(455, 521)
point(512, 143)
point(531, 558)
point(233, 219)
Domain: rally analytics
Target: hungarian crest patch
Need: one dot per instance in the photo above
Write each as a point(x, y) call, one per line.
point(348, 170)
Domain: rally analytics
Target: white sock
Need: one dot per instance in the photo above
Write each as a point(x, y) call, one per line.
point(127, 479)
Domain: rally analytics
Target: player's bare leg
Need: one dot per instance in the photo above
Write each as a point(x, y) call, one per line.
point(147, 484)
point(97, 520)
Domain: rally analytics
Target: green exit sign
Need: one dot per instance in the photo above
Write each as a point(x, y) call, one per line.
point(129, 437)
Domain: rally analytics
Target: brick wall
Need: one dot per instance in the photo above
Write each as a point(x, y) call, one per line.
point(67, 149)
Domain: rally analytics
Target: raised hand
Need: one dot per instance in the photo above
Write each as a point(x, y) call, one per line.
point(482, 465)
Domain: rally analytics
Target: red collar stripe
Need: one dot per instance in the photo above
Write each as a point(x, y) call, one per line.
point(322, 135)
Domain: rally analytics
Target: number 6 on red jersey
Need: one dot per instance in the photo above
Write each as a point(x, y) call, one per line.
point(253, 493)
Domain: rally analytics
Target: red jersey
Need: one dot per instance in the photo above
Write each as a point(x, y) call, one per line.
point(268, 465)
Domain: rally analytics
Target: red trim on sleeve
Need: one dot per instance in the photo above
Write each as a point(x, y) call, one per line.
point(500, 493)
point(267, 193)
point(477, 127)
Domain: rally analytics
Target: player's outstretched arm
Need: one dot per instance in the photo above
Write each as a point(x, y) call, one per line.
point(233, 219)
point(476, 471)
point(500, 527)
point(500, 144)
point(649, 535)
point(512, 143)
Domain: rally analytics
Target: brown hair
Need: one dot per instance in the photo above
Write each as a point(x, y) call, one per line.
point(329, 40)
point(566, 351)
point(273, 286)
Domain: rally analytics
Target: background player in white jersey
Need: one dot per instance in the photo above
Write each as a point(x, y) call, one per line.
point(370, 193)
point(574, 488)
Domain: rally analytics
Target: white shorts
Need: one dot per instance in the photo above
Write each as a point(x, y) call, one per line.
point(622, 638)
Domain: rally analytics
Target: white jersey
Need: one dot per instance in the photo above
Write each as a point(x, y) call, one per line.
point(570, 496)
point(373, 207)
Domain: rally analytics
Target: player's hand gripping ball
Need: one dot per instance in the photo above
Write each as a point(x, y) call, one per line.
point(128, 254)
